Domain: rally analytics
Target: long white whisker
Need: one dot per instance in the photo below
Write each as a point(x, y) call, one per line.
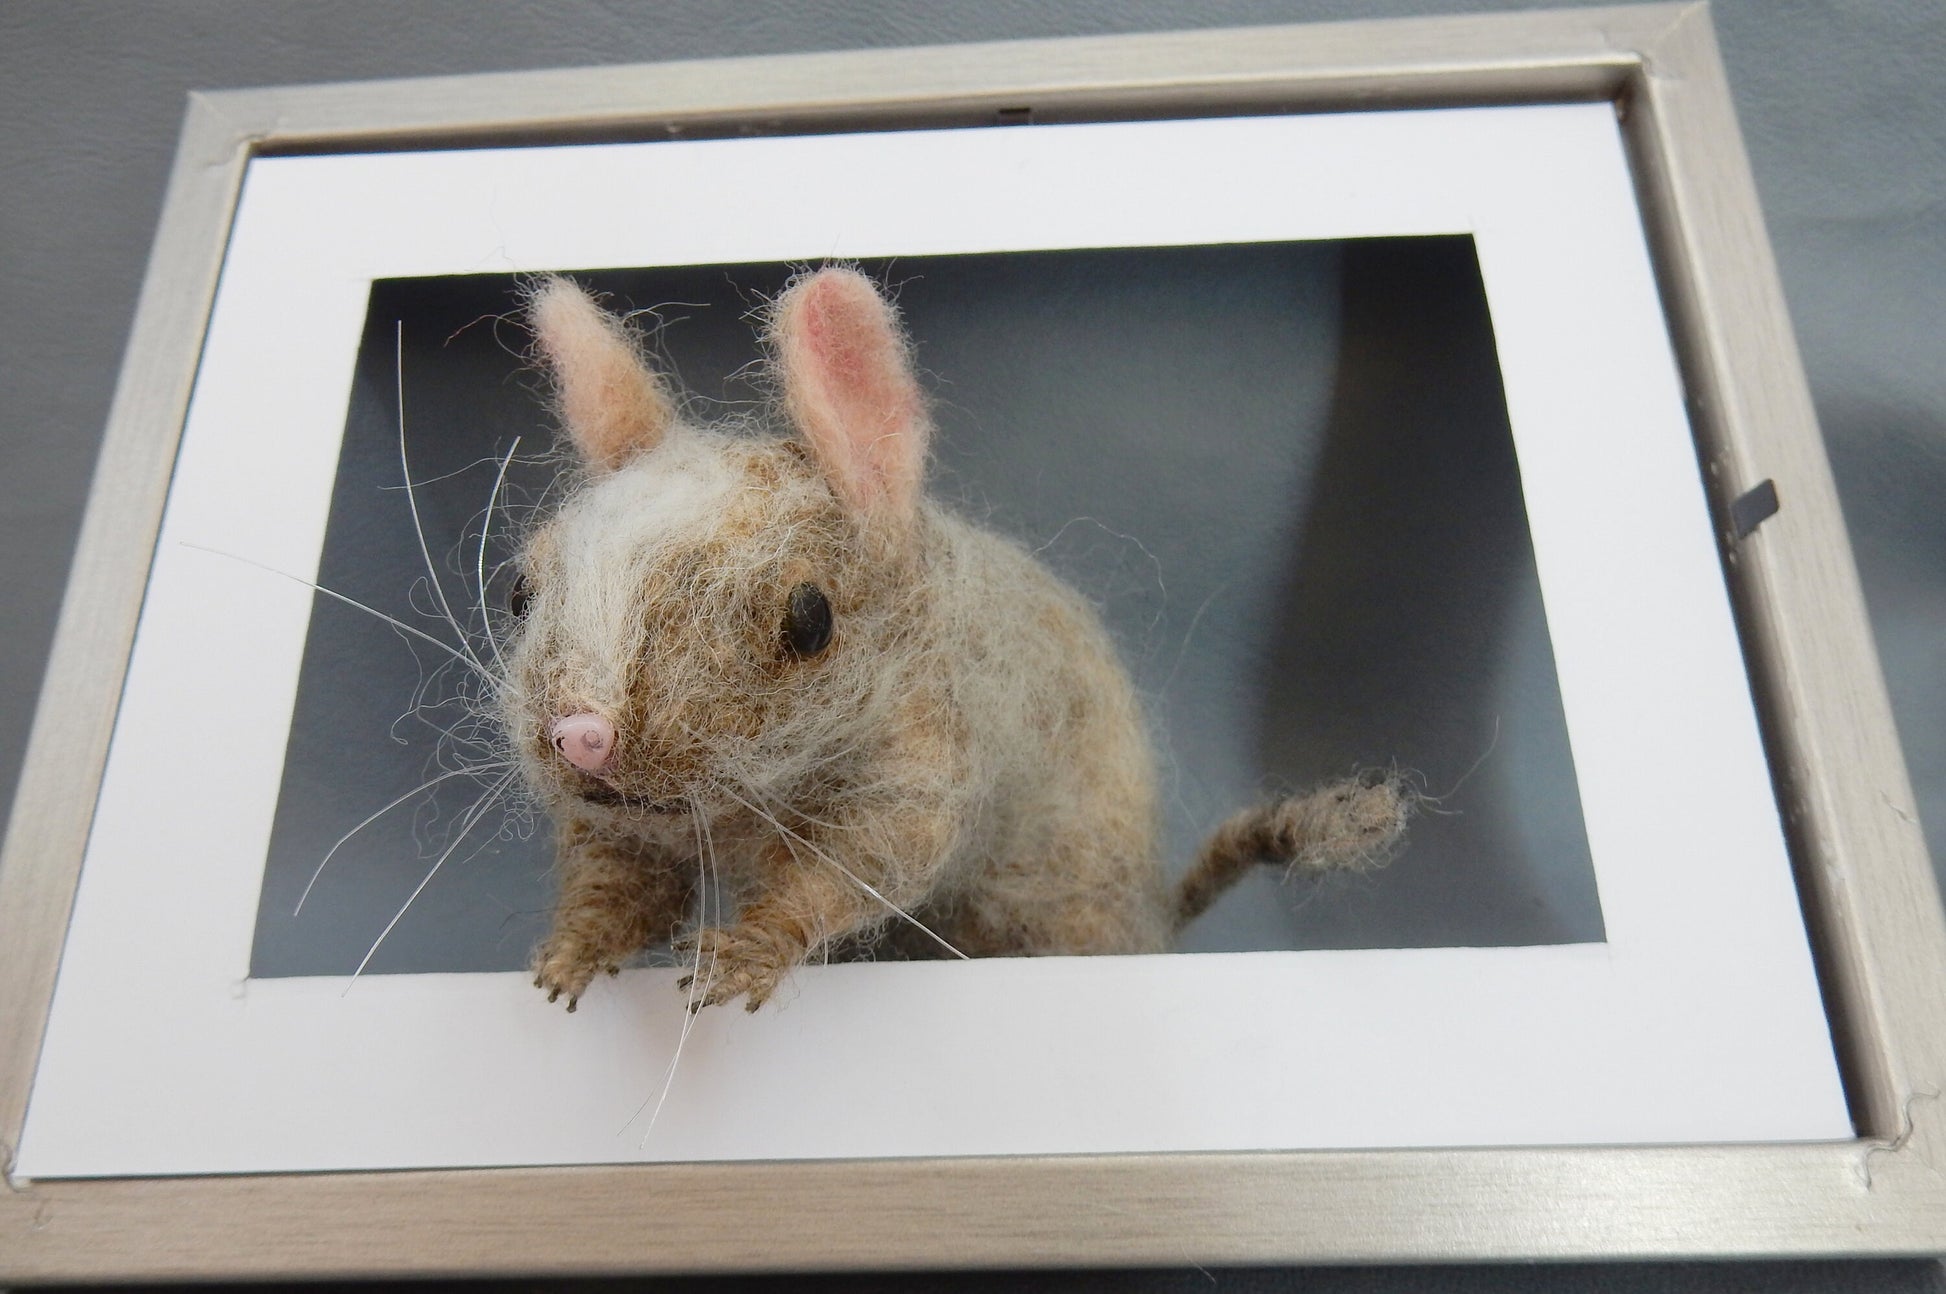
point(412, 502)
point(460, 471)
point(856, 879)
point(473, 816)
point(486, 525)
point(400, 625)
point(423, 786)
point(1474, 768)
point(1182, 651)
point(698, 980)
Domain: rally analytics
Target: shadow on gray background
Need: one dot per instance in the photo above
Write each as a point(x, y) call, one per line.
point(1409, 621)
point(1284, 472)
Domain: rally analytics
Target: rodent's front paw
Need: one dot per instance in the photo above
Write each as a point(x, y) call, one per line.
point(745, 960)
point(565, 965)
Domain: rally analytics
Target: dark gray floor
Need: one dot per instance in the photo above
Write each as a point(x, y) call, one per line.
point(1840, 104)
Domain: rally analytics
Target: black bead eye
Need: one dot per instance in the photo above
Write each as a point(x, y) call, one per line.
point(519, 596)
point(807, 622)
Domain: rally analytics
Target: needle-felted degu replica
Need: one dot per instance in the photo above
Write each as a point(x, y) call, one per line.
point(771, 667)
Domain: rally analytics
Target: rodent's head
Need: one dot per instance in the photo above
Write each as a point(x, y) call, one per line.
point(707, 616)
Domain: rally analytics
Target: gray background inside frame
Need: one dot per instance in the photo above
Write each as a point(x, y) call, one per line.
point(1839, 101)
point(1283, 472)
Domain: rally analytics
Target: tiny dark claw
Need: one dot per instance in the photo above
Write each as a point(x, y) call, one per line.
point(684, 983)
point(537, 981)
point(571, 1002)
point(752, 1004)
point(614, 970)
point(554, 996)
point(695, 1007)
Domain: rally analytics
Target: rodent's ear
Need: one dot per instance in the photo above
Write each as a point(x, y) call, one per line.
point(849, 387)
point(612, 406)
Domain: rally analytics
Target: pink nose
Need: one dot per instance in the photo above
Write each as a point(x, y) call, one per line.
point(585, 740)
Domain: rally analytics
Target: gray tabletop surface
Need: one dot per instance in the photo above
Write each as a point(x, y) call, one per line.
point(1841, 110)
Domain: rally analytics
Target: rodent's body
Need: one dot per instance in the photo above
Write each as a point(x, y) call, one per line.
point(772, 666)
point(1061, 852)
point(969, 747)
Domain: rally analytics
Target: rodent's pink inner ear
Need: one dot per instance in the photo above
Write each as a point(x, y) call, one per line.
point(585, 740)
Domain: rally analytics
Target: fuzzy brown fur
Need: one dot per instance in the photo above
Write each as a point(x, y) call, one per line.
point(965, 763)
point(1350, 825)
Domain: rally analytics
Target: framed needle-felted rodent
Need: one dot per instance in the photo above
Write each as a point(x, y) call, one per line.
point(1212, 654)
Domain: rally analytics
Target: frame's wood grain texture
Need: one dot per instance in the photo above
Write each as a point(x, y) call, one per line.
point(69, 742)
point(1495, 58)
point(1874, 910)
point(1122, 1210)
point(1876, 917)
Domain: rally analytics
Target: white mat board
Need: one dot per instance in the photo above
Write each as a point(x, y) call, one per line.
point(1697, 1020)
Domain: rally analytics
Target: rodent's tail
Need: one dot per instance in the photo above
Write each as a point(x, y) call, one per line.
point(1349, 825)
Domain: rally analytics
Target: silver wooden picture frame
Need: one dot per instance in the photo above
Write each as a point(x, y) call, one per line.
point(1860, 862)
